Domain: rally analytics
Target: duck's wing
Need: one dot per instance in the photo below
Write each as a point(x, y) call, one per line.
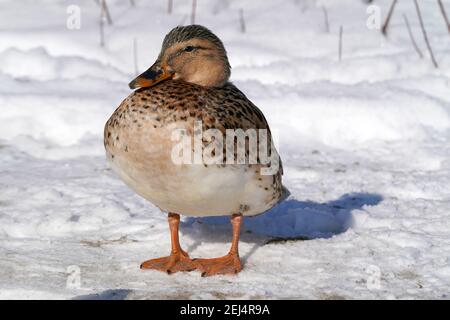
point(234, 110)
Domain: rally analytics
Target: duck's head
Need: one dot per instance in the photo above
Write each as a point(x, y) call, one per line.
point(192, 54)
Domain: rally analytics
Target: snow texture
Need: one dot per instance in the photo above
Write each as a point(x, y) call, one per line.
point(365, 144)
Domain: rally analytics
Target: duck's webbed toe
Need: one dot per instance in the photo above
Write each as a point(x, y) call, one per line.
point(229, 264)
point(176, 262)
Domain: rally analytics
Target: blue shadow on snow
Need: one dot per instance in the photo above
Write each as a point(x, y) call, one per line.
point(293, 218)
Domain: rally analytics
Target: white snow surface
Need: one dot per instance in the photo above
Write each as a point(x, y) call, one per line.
point(365, 144)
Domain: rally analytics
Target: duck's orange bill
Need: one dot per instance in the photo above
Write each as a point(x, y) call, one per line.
point(152, 76)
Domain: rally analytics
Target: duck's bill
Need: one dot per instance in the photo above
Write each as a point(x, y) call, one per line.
point(150, 77)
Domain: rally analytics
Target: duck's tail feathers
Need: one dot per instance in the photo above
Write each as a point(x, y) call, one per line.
point(285, 193)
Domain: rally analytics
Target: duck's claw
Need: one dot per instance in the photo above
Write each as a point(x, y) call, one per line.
point(174, 263)
point(229, 264)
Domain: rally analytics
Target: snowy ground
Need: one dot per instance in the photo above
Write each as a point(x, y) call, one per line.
point(365, 144)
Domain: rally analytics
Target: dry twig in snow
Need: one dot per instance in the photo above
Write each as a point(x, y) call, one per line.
point(411, 36)
point(105, 10)
point(194, 8)
point(425, 35)
point(388, 18)
point(444, 14)
point(169, 6)
point(135, 57)
point(341, 31)
point(325, 16)
point(242, 20)
point(102, 35)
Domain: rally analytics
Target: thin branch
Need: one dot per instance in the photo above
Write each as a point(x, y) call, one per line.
point(102, 31)
point(411, 36)
point(242, 20)
point(388, 18)
point(169, 6)
point(444, 14)
point(425, 35)
point(325, 16)
point(105, 10)
point(341, 31)
point(194, 8)
point(135, 57)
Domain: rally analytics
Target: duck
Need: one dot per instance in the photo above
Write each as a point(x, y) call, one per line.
point(169, 141)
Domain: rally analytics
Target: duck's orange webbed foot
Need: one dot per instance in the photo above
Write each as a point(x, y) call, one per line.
point(229, 264)
point(176, 262)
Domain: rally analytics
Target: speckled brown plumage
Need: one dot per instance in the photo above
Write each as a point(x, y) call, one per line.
point(178, 104)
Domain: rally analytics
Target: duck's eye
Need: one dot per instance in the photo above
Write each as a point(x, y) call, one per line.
point(189, 48)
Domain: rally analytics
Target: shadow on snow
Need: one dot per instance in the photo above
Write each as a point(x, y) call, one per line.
point(290, 219)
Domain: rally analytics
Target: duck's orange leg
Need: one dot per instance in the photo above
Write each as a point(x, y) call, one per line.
point(178, 260)
point(229, 264)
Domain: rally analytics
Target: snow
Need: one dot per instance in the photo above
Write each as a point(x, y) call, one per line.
point(365, 143)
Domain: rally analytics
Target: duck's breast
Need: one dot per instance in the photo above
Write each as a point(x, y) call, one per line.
point(140, 138)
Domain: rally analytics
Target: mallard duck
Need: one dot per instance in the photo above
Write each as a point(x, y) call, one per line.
point(187, 90)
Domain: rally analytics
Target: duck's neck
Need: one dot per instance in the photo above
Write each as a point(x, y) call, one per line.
point(208, 72)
